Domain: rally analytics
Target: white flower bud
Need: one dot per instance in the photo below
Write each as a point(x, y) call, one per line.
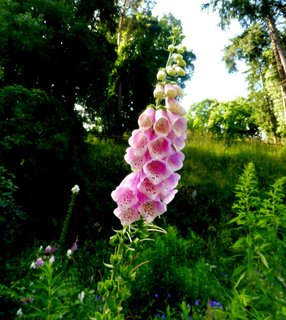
point(158, 93)
point(181, 63)
point(81, 296)
point(19, 312)
point(171, 71)
point(171, 48)
point(181, 49)
point(161, 75)
point(180, 71)
point(177, 56)
point(75, 189)
point(170, 90)
point(179, 90)
point(69, 253)
point(51, 260)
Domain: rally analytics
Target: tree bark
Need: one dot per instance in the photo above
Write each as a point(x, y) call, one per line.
point(280, 58)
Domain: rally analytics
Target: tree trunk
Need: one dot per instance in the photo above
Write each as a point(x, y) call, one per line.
point(280, 58)
point(122, 16)
point(117, 126)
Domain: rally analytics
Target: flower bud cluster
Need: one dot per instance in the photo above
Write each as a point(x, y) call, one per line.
point(72, 249)
point(176, 65)
point(170, 91)
point(49, 254)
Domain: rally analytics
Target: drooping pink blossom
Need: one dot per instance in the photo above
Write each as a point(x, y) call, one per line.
point(151, 209)
point(127, 215)
point(131, 180)
point(156, 170)
point(124, 196)
point(148, 188)
point(177, 142)
point(139, 141)
point(170, 90)
point(175, 160)
point(170, 183)
point(146, 119)
point(162, 125)
point(173, 105)
point(136, 161)
point(178, 122)
point(166, 199)
point(159, 147)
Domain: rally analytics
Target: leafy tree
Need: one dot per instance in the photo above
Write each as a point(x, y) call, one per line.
point(252, 47)
point(270, 14)
point(53, 54)
point(140, 52)
point(199, 114)
point(57, 46)
point(232, 119)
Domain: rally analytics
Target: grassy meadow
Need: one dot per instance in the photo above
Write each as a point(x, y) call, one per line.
point(221, 256)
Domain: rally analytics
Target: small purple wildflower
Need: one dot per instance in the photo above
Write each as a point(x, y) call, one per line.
point(54, 249)
point(40, 262)
point(197, 303)
point(215, 304)
point(156, 295)
point(74, 247)
point(48, 250)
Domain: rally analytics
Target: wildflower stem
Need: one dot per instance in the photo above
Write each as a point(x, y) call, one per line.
point(67, 221)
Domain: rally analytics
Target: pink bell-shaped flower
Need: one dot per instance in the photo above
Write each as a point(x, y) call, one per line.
point(124, 197)
point(162, 125)
point(159, 147)
point(127, 215)
point(146, 119)
point(136, 161)
point(156, 171)
point(149, 189)
point(151, 209)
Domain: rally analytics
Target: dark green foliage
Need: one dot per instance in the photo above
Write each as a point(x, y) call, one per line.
point(176, 271)
point(53, 54)
point(41, 144)
point(50, 45)
point(11, 218)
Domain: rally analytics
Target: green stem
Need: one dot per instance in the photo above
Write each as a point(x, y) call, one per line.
point(67, 221)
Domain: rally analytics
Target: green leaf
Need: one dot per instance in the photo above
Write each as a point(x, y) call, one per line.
point(108, 265)
point(239, 280)
point(263, 259)
point(239, 270)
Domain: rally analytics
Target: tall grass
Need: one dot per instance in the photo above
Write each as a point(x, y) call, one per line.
point(210, 173)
